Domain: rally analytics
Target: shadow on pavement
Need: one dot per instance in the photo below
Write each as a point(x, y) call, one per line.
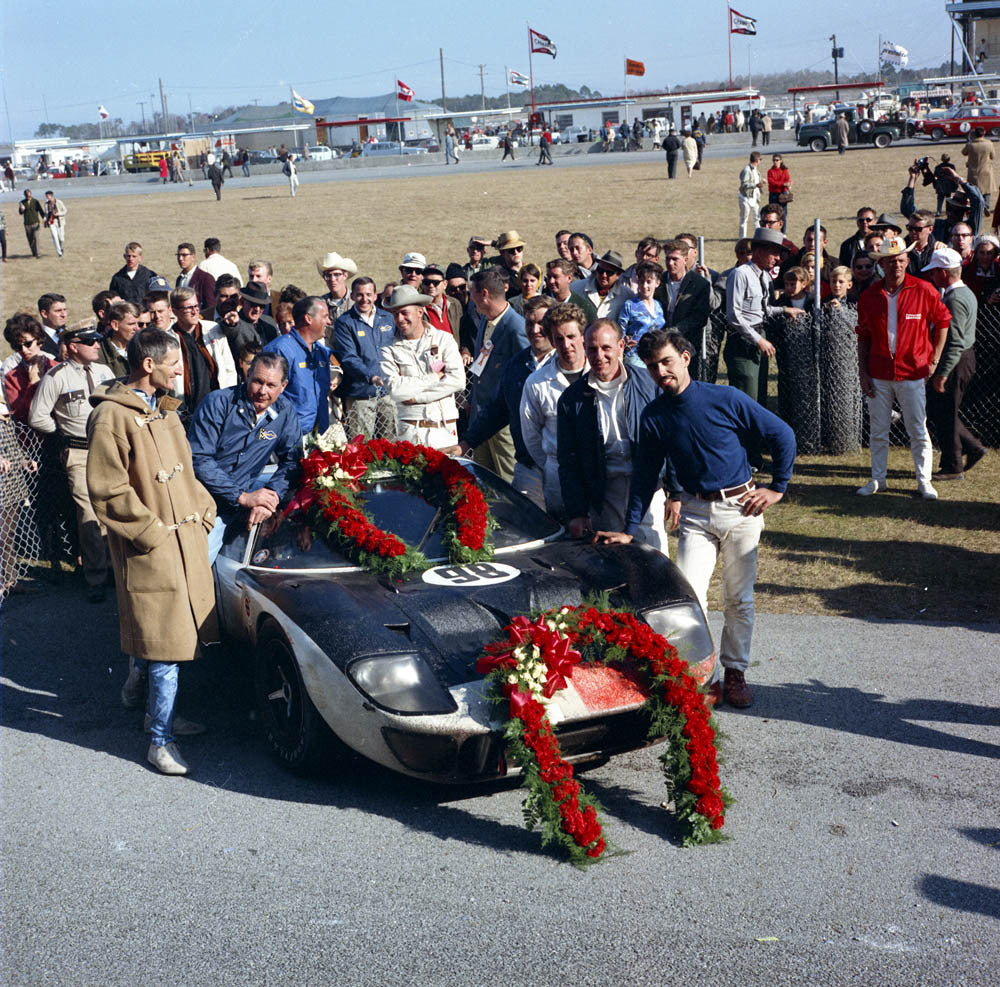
point(869, 714)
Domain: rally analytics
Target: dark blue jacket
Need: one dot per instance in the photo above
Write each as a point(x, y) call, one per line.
point(582, 466)
point(358, 346)
point(230, 449)
point(308, 379)
point(504, 408)
point(508, 340)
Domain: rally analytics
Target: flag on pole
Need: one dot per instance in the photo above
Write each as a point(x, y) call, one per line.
point(894, 54)
point(301, 104)
point(740, 23)
point(102, 112)
point(518, 79)
point(404, 92)
point(541, 44)
point(632, 67)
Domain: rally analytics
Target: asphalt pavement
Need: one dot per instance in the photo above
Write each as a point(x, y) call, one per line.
point(864, 850)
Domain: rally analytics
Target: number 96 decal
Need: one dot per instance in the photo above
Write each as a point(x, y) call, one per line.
point(473, 574)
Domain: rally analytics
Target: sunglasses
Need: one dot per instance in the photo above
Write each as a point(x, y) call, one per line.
point(433, 282)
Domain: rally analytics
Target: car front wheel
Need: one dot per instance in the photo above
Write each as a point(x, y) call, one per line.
point(936, 134)
point(817, 144)
point(883, 140)
point(293, 728)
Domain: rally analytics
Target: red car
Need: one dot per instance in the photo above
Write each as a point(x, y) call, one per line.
point(960, 121)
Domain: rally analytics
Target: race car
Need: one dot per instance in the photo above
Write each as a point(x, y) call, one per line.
point(959, 121)
point(387, 667)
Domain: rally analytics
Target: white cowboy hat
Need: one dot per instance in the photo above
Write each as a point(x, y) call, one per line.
point(892, 246)
point(403, 295)
point(332, 261)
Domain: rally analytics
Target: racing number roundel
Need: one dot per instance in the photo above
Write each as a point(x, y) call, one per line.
point(471, 574)
point(965, 126)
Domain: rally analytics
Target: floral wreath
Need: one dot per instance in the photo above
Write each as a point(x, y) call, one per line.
point(534, 661)
point(330, 489)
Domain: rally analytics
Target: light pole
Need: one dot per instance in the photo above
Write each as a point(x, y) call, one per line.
point(837, 54)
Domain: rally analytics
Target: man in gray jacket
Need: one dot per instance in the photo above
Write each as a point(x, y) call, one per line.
point(946, 388)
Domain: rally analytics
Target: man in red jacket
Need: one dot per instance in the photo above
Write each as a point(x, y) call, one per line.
point(896, 356)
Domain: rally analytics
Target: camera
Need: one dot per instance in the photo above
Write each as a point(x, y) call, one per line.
point(921, 163)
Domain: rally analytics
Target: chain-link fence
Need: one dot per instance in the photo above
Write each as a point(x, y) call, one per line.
point(35, 507)
point(818, 392)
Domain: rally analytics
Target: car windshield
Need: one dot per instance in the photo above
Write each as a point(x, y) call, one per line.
point(292, 543)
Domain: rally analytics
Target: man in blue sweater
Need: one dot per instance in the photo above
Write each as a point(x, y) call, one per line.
point(697, 435)
point(234, 433)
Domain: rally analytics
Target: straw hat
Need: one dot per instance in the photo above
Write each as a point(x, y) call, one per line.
point(403, 295)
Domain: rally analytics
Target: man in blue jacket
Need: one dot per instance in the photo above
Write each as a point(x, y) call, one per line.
point(234, 434)
point(701, 433)
point(597, 427)
point(358, 337)
point(308, 363)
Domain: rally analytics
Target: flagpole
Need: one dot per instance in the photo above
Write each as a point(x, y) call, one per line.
point(506, 72)
point(729, 33)
point(399, 127)
point(531, 72)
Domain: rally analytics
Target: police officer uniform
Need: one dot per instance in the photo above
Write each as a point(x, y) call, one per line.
point(61, 408)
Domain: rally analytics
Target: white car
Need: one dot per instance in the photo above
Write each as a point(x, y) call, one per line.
point(320, 152)
point(483, 142)
point(382, 149)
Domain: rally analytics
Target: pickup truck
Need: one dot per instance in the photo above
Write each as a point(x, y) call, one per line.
point(818, 136)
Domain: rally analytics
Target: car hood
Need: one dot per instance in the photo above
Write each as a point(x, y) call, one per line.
point(355, 614)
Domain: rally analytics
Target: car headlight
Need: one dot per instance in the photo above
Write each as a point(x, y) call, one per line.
point(685, 627)
point(401, 684)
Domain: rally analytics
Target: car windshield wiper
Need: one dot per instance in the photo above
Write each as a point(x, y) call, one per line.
point(430, 528)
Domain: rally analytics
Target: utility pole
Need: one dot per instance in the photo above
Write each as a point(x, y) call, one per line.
point(190, 116)
point(163, 105)
point(444, 105)
point(837, 54)
point(142, 107)
point(482, 86)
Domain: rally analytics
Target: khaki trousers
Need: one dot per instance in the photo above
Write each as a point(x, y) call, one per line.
point(91, 532)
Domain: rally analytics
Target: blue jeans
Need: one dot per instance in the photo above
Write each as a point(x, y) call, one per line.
point(162, 698)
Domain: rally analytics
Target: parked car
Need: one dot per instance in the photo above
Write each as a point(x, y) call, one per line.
point(959, 121)
point(262, 157)
point(388, 667)
point(484, 142)
point(320, 152)
point(818, 135)
point(572, 135)
point(381, 149)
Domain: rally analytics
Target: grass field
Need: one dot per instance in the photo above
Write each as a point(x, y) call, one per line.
point(825, 550)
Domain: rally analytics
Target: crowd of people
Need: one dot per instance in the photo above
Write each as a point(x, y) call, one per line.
point(584, 381)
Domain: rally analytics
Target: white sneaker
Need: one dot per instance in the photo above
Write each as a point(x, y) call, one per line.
point(182, 727)
point(927, 491)
point(871, 487)
point(167, 760)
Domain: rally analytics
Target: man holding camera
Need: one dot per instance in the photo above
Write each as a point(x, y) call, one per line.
point(967, 204)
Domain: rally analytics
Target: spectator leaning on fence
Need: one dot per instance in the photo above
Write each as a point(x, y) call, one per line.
point(895, 357)
point(960, 449)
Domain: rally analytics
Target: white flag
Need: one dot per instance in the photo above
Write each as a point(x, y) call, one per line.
point(518, 78)
point(102, 113)
point(301, 104)
point(740, 23)
point(894, 54)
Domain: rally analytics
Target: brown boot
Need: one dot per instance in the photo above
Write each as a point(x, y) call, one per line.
point(737, 691)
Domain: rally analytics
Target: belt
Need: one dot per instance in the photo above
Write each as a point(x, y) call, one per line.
point(727, 492)
point(424, 423)
point(74, 443)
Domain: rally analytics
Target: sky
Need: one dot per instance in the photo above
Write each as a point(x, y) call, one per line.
point(62, 60)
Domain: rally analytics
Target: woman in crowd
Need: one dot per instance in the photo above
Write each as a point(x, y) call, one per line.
point(981, 274)
point(779, 186)
point(862, 275)
point(19, 384)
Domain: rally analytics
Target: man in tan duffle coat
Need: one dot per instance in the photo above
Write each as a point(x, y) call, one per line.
point(143, 489)
point(979, 152)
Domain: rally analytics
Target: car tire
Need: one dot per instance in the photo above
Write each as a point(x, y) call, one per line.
point(883, 139)
point(995, 132)
point(817, 144)
point(294, 730)
point(936, 134)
